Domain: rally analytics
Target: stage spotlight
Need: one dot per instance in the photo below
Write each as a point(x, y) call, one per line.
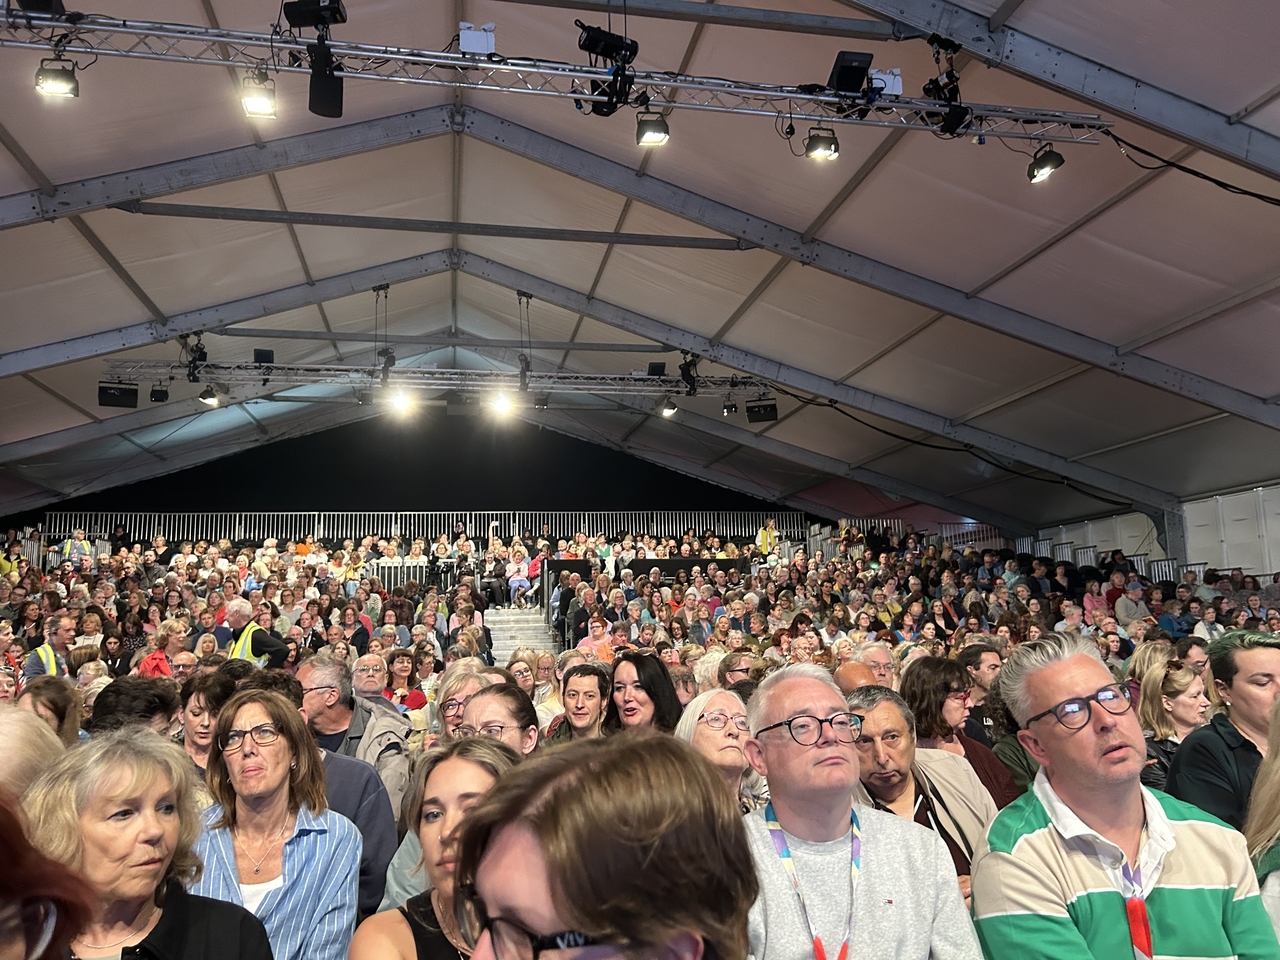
point(689, 374)
point(730, 407)
point(325, 98)
point(501, 404)
point(314, 13)
point(607, 46)
point(541, 402)
point(821, 144)
point(669, 409)
point(209, 396)
point(258, 95)
point(159, 393)
point(651, 129)
point(57, 78)
point(1046, 161)
point(400, 402)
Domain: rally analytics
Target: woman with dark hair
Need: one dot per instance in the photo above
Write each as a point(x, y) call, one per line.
point(402, 680)
point(643, 694)
point(132, 636)
point(113, 655)
point(937, 690)
point(505, 713)
point(27, 623)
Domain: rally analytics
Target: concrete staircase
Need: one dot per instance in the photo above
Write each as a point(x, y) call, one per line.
point(513, 628)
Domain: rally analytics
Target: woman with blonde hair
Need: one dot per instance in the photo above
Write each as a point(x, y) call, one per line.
point(74, 817)
point(1262, 825)
point(544, 845)
point(57, 702)
point(1172, 706)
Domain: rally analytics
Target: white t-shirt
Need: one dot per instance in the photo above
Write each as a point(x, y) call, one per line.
point(254, 893)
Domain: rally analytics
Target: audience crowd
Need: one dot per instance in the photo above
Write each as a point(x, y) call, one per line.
point(893, 748)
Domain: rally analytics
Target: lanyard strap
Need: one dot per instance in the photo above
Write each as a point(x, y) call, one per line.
point(855, 866)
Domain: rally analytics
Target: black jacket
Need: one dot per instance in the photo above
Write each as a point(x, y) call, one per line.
point(197, 928)
point(1160, 755)
point(1214, 768)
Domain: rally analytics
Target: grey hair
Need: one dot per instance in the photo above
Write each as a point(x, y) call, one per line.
point(239, 606)
point(873, 645)
point(332, 671)
point(862, 700)
point(759, 705)
point(704, 671)
point(695, 708)
point(1032, 657)
point(30, 748)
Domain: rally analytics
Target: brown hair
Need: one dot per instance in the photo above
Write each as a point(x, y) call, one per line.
point(925, 685)
point(642, 816)
point(306, 775)
point(62, 699)
point(492, 756)
point(1170, 679)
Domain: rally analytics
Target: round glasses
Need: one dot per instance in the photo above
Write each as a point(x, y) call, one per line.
point(718, 721)
point(807, 731)
point(263, 735)
point(1074, 714)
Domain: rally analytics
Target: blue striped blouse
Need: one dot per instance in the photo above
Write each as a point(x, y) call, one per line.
point(312, 916)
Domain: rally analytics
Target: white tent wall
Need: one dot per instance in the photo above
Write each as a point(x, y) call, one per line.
point(1134, 533)
point(1237, 530)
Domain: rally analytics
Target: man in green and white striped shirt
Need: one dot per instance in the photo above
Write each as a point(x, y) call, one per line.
point(1088, 863)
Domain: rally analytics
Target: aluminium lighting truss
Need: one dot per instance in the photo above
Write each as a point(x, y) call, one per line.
point(428, 378)
point(94, 35)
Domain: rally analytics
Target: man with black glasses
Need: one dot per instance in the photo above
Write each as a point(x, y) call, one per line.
point(838, 879)
point(1088, 862)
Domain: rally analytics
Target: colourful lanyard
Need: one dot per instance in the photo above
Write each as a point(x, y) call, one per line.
point(1135, 908)
point(855, 866)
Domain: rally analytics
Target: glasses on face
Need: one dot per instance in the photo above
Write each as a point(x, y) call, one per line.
point(323, 686)
point(522, 674)
point(509, 940)
point(958, 695)
point(807, 731)
point(881, 669)
point(369, 670)
point(263, 735)
point(453, 707)
point(30, 923)
point(491, 730)
point(1074, 714)
point(718, 721)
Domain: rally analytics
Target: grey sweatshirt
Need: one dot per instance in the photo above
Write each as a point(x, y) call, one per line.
point(906, 905)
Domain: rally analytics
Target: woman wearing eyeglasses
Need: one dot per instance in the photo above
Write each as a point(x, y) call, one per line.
point(1171, 708)
point(123, 812)
point(715, 723)
point(271, 843)
point(448, 781)
point(502, 712)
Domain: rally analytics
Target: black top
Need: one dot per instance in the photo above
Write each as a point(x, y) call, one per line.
point(1214, 769)
point(428, 939)
point(1159, 755)
point(197, 928)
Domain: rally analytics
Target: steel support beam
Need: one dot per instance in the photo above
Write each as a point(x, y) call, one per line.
point(213, 319)
point(471, 343)
point(797, 379)
point(861, 269)
point(300, 218)
point(1010, 526)
point(785, 21)
point(221, 167)
point(1110, 89)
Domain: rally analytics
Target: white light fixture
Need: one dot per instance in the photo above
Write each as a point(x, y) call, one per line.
point(668, 408)
point(258, 95)
point(209, 396)
point(821, 144)
point(501, 404)
point(651, 129)
point(1045, 161)
point(57, 78)
point(400, 402)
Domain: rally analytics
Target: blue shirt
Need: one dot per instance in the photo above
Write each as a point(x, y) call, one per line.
point(312, 916)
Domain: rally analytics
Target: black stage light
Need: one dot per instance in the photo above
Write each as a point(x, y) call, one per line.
point(608, 46)
point(1046, 161)
point(314, 13)
point(730, 407)
point(57, 78)
point(849, 73)
point(689, 374)
point(658, 369)
point(264, 358)
point(118, 395)
point(651, 129)
point(159, 393)
point(762, 411)
point(209, 397)
point(325, 98)
point(821, 144)
point(53, 7)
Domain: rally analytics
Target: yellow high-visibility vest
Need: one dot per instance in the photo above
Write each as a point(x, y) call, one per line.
point(242, 649)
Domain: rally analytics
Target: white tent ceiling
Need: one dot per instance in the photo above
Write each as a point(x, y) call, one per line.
point(1108, 331)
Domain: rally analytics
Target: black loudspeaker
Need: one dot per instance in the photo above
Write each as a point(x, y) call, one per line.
point(658, 369)
point(53, 7)
point(264, 358)
point(762, 411)
point(849, 73)
point(326, 81)
point(118, 395)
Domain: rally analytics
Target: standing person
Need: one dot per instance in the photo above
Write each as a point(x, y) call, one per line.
point(271, 843)
point(448, 781)
point(1171, 708)
point(642, 694)
point(1215, 766)
point(248, 640)
point(1089, 863)
point(983, 663)
point(123, 811)
point(853, 862)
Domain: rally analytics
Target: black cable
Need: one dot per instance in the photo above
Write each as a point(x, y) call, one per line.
point(1162, 163)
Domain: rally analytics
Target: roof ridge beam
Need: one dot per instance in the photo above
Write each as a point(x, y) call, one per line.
point(862, 269)
point(223, 166)
point(212, 319)
point(1051, 66)
point(795, 378)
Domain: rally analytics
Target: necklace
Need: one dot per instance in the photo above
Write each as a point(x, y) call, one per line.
point(257, 864)
point(448, 925)
point(132, 933)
